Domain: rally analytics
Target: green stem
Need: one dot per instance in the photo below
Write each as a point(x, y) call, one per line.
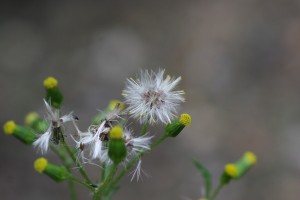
point(81, 183)
point(216, 192)
point(103, 171)
point(72, 190)
point(81, 170)
point(99, 191)
point(67, 164)
point(160, 140)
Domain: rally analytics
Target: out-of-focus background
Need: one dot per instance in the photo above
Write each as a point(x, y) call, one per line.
point(240, 64)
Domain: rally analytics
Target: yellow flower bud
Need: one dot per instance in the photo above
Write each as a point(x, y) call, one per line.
point(40, 164)
point(185, 119)
point(113, 103)
point(231, 170)
point(30, 118)
point(116, 132)
point(50, 82)
point(9, 127)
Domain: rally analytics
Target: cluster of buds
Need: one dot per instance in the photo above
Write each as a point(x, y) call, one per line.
point(151, 99)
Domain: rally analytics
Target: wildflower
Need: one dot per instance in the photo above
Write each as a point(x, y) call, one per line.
point(135, 146)
point(93, 139)
point(152, 98)
point(55, 129)
point(79, 145)
point(57, 173)
point(53, 93)
point(116, 145)
point(239, 168)
point(34, 121)
point(96, 135)
point(24, 134)
point(176, 126)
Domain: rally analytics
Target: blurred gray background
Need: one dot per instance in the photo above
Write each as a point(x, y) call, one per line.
point(239, 61)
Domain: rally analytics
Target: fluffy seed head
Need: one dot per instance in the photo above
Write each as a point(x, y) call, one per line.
point(40, 164)
point(9, 127)
point(152, 98)
point(50, 82)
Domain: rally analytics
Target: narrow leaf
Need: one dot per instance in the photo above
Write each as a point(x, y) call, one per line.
point(206, 176)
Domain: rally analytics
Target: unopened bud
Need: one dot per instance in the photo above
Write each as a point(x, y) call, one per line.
point(177, 125)
point(34, 121)
point(24, 134)
point(53, 94)
point(239, 168)
point(116, 147)
point(57, 173)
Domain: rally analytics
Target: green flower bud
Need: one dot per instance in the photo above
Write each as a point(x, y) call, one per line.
point(176, 126)
point(57, 173)
point(116, 146)
point(239, 168)
point(53, 94)
point(25, 135)
point(33, 121)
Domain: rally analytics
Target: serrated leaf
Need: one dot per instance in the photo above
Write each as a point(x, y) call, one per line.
point(206, 176)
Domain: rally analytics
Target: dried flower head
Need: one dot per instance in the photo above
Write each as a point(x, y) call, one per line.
point(54, 130)
point(152, 97)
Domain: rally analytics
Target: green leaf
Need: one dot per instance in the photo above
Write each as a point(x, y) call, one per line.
point(206, 176)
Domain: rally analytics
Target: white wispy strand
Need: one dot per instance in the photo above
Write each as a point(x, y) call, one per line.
point(137, 171)
point(136, 144)
point(42, 143)
point(91, 140)
point(152, 98)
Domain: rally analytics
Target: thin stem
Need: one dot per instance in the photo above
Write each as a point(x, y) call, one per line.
point(103, 172)
point(81, 170)
point(81, 183)
point(160, 140)
point(98, 193)
point(72, 190)
point(67, 164)
point(216, 192)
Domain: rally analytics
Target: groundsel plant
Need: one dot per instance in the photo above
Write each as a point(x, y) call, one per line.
point(110, 142)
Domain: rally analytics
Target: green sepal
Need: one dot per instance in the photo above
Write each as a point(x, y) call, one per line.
point(57, 173)
point(24, 134)
point(225, 178)
point(205, 173)
point(174, 128)
point(117, 150)
point(39, 125)
point(54, 97)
